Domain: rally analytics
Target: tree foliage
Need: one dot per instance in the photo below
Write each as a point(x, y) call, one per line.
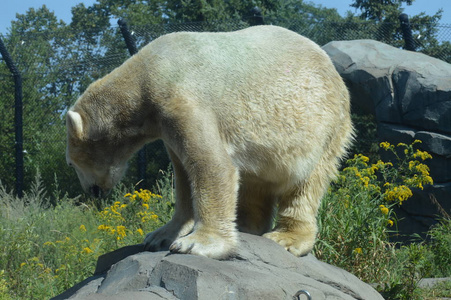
point(385, 13)
point(379, 10)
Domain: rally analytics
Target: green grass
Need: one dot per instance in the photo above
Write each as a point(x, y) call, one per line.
point(46, 248)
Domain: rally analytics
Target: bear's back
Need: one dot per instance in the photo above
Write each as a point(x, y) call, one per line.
point(262, 67)
point(272, 92)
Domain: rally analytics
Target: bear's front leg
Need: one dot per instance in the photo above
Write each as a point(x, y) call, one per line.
point(182, 222)
point(214, 191)
point(214, 188)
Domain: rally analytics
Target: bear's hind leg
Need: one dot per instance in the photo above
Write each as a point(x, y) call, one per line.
point(296, 227)
point(255, 208)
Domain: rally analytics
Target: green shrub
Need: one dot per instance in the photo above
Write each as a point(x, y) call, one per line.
point(356, 220)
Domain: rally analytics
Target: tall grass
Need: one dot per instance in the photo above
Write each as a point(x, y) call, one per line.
point(47, 247)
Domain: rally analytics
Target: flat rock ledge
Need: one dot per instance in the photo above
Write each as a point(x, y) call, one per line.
point(261, 269)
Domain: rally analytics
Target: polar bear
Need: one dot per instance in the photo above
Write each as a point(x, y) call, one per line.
point(255, 123)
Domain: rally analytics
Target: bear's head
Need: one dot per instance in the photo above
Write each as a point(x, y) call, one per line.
point(99, 162)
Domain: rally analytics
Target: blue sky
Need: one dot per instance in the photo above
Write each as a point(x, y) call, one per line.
point(62, 8)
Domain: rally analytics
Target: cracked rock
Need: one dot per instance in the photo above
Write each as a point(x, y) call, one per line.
point(261, 269)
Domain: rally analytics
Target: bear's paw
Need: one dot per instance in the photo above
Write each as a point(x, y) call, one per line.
point(163, 237)
point(297, 243)
point(208, 244)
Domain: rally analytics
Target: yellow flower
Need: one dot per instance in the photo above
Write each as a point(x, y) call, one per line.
point(373, 169)
point(385, 145)
point(140, 231)
point(383, 209)
point(82, 228)
point(365, 180)
point(362, 157)
point(145, 205)
point(87, 250)
point(23, 264)
point(127, 195)
point(145, 195)
point(390, 223)
point(422, 154)
point(120, 232)
point(346, 203)
point(423, 169)
point(358, 250)
point(400, 193)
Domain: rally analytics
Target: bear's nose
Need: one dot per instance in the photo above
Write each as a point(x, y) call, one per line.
point(96, 191)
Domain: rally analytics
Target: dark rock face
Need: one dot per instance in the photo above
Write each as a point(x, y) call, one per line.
point(410, 95)
point(261, 269)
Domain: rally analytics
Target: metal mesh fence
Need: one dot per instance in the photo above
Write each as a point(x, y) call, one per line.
point(57, 67)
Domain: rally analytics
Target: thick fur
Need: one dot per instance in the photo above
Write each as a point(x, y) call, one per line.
point(255, 122)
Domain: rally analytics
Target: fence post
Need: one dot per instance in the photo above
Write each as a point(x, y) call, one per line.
point(131, 46)
point(409, 43)
point(17, 117)
point(256, 17)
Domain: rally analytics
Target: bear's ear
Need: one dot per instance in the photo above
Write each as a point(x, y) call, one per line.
point(74, 124)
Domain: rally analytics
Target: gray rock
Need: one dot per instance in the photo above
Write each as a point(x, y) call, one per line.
point(261, 269)
point(431, 282)
point(440, 168)
point(398, 86)
point(394, 133)
point(435, 143)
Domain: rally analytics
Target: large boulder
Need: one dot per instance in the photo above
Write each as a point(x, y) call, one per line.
point(399, 86)
point(410, 95)
point(262, 269)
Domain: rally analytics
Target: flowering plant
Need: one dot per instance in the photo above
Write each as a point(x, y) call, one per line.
point(362, 201)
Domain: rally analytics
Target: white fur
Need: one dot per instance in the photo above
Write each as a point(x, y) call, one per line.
point(254, 120)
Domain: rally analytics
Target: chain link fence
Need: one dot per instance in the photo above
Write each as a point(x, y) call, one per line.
point(57, 67)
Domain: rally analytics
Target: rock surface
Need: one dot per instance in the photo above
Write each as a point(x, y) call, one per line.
point(399, 86)
point(410, 95)
point(261, 270)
